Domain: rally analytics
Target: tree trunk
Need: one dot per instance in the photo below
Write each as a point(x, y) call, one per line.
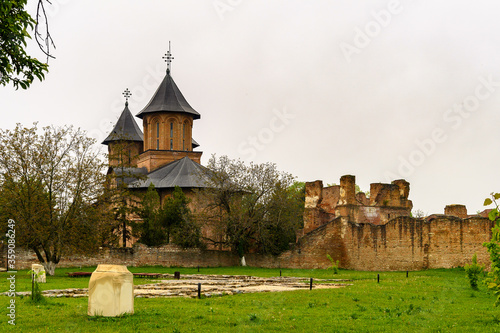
point(124, 234)
point(50, 267)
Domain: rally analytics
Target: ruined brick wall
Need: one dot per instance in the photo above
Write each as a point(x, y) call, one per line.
point(411, 244)
point(310, 251)
point(385, 202)
point(140, 255)
point(456, 210)
point(377, 233)
point(404, 243)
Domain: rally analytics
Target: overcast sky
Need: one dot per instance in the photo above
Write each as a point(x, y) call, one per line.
point(381, 90)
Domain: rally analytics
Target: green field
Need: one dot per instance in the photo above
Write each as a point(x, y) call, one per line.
point(426, 301)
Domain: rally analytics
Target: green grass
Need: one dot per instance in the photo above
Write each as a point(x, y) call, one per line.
point(426, 301)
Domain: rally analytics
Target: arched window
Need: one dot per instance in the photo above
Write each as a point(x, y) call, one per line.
point(157, 136)
point(184, 136)
point(171, 135)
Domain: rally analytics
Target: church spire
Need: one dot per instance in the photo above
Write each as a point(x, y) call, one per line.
point(126, 129)
point(127, 94)
point(168, 58)
point(168, 98)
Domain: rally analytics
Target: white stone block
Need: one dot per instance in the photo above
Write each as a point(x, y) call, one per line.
point(111, 291)
point(39, 272)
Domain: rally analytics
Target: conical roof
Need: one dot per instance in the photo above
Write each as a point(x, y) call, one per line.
point(182, 173)
point(125, 129)
point(168, 98)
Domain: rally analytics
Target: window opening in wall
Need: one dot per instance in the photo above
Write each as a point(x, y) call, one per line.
point(171, 135)
point(157, 136)
point(183, 137)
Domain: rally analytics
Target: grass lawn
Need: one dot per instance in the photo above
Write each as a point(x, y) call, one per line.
point(426, 301)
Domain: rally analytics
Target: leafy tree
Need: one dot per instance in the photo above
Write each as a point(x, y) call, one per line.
point(150, 230)
point(256, 206)
point(284, 217)
point(16, 66)
point(493, 246)
point(178, 220)
point(50, 183)
point(121, 197)
point(172, 221)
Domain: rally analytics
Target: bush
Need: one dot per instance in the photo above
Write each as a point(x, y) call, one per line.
point(334, 266)
point(473, 272)
point(493, 246)
point(36, 292)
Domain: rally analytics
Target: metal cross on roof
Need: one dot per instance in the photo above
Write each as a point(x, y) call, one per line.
point(168, 58)
point(127, 94)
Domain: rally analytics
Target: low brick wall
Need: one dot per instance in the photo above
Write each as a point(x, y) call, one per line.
point(402, 244)
point(140, 255)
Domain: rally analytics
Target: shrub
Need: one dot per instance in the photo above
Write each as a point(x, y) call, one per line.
point(473, 271)
point(493, 246)
point(334, 266)
point(36, 292)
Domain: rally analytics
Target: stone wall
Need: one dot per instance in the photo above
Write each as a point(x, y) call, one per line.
point(140, 255)
point(403, 243)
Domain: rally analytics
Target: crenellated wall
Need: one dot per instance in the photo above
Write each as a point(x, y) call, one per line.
point(378, 233)
point(385, 202)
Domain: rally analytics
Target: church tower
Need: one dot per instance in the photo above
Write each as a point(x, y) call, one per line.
point(125, 142)
point(168, 123)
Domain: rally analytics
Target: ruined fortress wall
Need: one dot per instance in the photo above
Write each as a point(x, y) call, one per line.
point(402, 244)
point(310, 251)
point(410, 244)
point(454, 241)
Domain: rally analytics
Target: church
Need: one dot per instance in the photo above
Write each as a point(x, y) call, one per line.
point(163, 152)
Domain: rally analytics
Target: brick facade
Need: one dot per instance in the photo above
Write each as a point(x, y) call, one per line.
point(167, 138)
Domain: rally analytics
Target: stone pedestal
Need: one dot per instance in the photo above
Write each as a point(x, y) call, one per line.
point(39, 273)
point(111, 291)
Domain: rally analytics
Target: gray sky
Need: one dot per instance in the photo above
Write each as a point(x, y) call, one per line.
point(379, 89)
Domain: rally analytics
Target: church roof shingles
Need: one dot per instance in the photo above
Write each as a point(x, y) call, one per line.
point(126, 129)
point(168, 98)
point(183, 173)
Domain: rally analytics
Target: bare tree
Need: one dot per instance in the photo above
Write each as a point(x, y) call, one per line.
point(51, 180)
